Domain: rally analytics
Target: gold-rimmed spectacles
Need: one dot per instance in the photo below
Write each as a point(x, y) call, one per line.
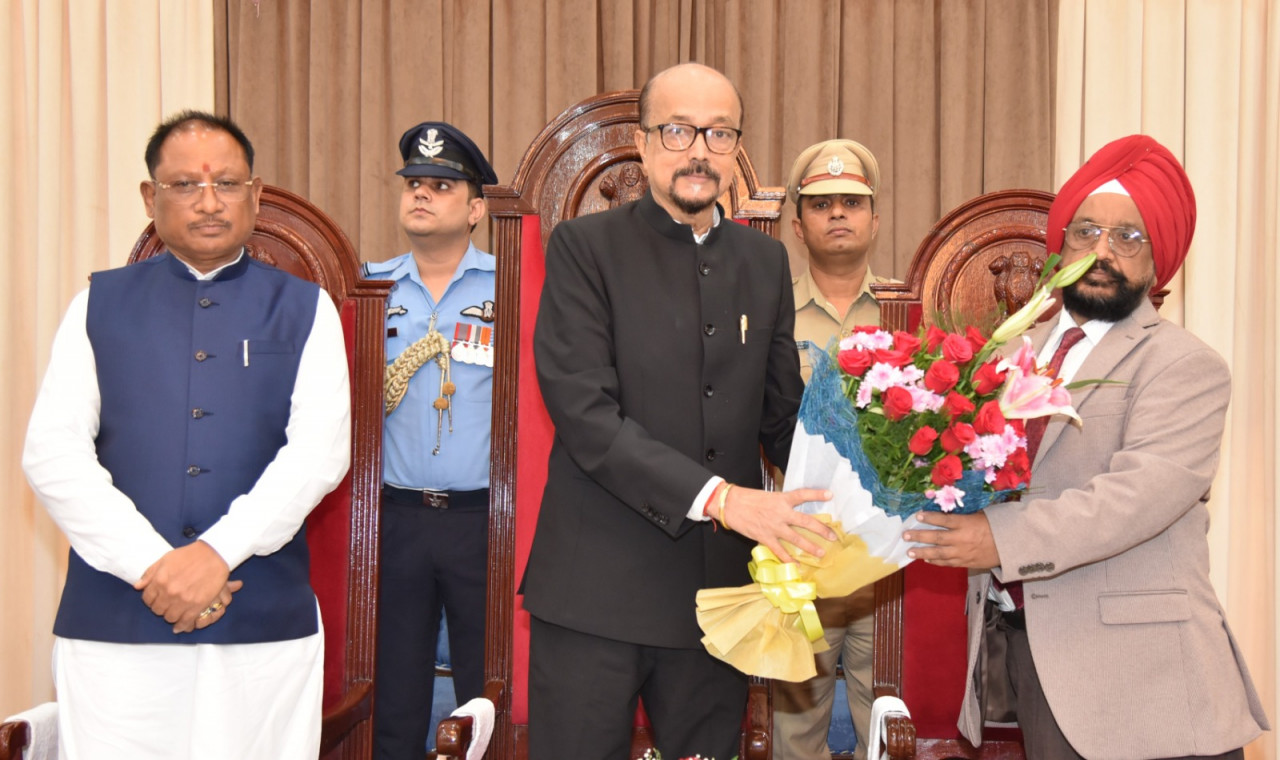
point(229, 190)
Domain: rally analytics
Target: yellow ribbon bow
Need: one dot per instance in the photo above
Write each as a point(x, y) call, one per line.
point(781, 585)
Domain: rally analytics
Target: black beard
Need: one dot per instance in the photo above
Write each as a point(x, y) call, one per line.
point(688, 206)
point(1112, 308)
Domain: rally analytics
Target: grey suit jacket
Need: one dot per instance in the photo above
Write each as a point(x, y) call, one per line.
point(1129, 640)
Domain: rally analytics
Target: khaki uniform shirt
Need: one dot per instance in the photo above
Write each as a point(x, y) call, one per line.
point(817, 321)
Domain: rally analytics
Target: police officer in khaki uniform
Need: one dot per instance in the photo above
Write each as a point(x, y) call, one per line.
point(833, 185)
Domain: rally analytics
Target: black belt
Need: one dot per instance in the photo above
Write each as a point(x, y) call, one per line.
point(427, 497)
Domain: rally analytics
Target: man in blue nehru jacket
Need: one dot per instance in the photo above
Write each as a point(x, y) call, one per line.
point(435, 459)
point(194, 411)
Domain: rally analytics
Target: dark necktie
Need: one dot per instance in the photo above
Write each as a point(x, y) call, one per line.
point(1035, 427)
point(1035, 431)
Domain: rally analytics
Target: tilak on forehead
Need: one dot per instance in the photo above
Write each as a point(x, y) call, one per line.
point(1159, 186)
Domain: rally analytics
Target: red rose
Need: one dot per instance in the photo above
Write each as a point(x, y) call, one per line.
point(891, 357)
point(990, 420)
point(1016, 471)
point(955, 348)
point(988, 379)
point(1005, 479)
point(933, 337)
point(957, 436)
point(855, 361)
point(956, 405)
point(975, 337)
point(947, 471)
point(868, 329)
point(896, 402)
point(922, 442)
point(941, 376)
point(906, 342)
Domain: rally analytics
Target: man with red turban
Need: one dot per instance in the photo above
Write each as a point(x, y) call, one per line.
point(1116, 644)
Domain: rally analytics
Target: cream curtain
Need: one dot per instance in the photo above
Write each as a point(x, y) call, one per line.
point(953, 97)
point(82, 84)
point(1203, 77)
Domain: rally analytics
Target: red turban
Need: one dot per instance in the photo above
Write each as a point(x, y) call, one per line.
point(1158, 185)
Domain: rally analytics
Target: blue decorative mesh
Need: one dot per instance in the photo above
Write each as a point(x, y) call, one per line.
point(827, 412)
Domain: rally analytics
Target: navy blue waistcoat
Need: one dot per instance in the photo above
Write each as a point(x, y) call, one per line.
point(187, 425)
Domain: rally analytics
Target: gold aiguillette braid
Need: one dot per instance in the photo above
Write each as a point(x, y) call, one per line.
point(396, 382)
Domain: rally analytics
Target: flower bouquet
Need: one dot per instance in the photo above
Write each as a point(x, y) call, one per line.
point(891, 424)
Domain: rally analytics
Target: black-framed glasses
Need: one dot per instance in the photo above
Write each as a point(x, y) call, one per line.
point(679, 137)
point(229, 190)
point(1124, 241)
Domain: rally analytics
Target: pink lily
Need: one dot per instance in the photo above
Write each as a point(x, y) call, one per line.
point(1024, 358)
point(1026, 395)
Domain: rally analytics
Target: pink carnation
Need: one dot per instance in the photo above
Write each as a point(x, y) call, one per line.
point(946, 497)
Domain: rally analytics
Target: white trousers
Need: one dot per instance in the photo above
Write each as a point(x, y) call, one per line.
point(189, 702)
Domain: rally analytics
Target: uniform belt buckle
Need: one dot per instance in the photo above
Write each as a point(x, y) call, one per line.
point(435, 499)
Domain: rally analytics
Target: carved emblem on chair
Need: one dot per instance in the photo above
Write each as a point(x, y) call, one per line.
point(626, 184)
point(1016, 276)
point(261, 254)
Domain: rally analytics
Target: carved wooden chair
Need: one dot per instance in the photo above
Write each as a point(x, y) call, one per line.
point(342, 531)
point(986, 252)
point(583, 161)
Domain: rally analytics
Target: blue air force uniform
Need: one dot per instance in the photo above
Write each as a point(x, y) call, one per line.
point(435, 505)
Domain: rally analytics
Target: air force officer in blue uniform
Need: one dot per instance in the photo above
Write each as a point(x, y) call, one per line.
point(435, 496)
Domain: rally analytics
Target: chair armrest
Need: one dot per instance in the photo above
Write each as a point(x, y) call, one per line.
point(14, 737)
point(453, 737)
point(337, 721)
point(900, 737)
point(757, 738)
point(453, 734)
point(899, 732)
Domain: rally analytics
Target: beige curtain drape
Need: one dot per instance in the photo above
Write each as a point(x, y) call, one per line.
point(82, 84)
point(953, 97)
point(1203, 77)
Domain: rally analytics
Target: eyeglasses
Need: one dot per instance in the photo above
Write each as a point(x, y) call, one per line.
point(681, 136)
point(228, 190)
point(1123, 241)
